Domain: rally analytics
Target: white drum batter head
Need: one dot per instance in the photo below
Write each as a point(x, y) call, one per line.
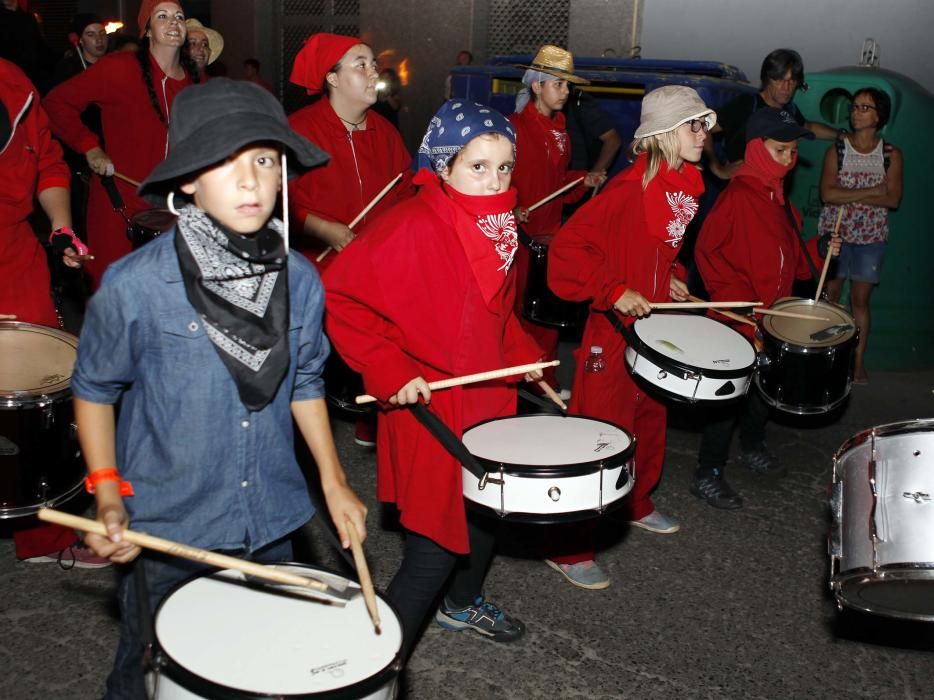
point(694, 342)
point(813, 334)
point(546, 440)
point(265, 642)
point(35, 360)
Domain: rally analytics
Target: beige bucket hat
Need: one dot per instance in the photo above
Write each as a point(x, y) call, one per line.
point(666, 108)
point(557, 62)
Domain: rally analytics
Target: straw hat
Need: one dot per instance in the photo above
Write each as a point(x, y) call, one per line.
point(557, 62)
point(215, 40)
point(666, 108)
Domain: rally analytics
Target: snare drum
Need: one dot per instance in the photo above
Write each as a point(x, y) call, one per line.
point(882, 542)
point(808, 365)
point(148, 224)
point(686, 357)
point(40, 462)
point(548, 468)
point(540, 305)
point(222, 638)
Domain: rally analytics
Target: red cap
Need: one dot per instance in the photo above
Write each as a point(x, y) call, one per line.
point(320, 53)
point(145, 11)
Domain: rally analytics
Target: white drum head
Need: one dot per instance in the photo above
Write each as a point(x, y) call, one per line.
point(696, 341)
point(35, 359)
point(813, 334)
point(268, 643)
point(546, 440)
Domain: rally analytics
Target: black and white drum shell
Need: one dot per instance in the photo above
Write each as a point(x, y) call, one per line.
point(542, 306)
point(690, 358)
point(882, 541)
point(218, 637)
point(549, 468)
point(802, 375)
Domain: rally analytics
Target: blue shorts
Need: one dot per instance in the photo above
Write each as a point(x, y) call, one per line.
point(861, 263)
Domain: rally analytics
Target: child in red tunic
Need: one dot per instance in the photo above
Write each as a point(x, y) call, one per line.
point(425, 295)
point(619, 251)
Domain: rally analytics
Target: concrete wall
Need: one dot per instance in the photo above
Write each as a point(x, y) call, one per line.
point(828, 33)
point(602, 27)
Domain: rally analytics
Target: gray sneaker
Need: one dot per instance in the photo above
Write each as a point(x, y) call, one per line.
point(583, 574)
point(483, 618)
point(658, 523)
point(760, 460)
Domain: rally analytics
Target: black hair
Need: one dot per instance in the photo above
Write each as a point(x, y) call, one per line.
point(142, 55)
point(881, 100)
point(252, 62)
point(778, 63)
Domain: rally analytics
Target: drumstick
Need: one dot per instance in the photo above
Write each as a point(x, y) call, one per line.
point(131, 181)
point(552, 394)
point(7, 317)
point(363, 571)
point(176, 549)
point(474, 378)
point(823, 274)
point(789, 314)
point(560, 190)
point(728, 314)
point(703, 304)
point(365, 211)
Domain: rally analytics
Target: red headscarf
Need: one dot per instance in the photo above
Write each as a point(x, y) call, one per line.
point(320, 53)
point(145, 11)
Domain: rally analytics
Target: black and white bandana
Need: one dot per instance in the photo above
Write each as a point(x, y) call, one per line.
point(239, 286)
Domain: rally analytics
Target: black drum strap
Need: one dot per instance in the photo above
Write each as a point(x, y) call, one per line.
point(110, 187)
point(144, 612)
point(547, 405)
point(794, 227)
point(617, 324)
point(449, 441)
point(524, 238)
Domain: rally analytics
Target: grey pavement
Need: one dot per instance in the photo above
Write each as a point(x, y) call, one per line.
point(735, 605)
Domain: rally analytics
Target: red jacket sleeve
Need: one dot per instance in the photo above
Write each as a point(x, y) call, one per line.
point(53, 171)
point(66, 102)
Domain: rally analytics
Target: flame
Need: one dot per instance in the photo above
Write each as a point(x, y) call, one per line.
point(111, 27)
point(403, 72)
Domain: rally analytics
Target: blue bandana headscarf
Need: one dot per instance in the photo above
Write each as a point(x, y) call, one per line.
point(454, 125)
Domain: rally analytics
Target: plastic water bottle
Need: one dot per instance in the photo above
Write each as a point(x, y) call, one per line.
point(595, 361)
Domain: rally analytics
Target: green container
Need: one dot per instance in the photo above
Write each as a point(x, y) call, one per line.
point(902, 334)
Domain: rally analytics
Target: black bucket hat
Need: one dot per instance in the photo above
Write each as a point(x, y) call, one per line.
point(776, 124)
point(213, 120)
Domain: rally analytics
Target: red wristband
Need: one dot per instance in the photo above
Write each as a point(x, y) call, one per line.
point(99, 475)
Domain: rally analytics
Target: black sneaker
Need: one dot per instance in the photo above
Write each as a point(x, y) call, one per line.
point(483, 618)
point(760, 460)
point(714, 489)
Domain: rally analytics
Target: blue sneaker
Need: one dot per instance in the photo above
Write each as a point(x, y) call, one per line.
point(483, 618)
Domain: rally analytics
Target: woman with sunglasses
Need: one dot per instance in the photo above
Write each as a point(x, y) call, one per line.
point(863, 175)
point(619, 252)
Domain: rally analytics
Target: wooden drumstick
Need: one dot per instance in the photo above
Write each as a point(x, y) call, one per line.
point(552, 394)
point(7, 317)
point(823, 274)
point(126, 179)
point(728, 314)
point(365, 211)
point(789, 314)
point(363, 572)
point(176, 549)
point(474, 378)
point(560, 190)
point(703, 304)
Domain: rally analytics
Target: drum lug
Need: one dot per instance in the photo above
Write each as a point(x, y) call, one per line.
point(48, 415)
point(662, 374)
point(486, 478)
point(834, 542)
point(554, 493)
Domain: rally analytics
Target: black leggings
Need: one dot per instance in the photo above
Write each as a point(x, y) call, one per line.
point(750, 413)
point(425, 568)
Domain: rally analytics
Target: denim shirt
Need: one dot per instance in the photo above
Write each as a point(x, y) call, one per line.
point(206, 471)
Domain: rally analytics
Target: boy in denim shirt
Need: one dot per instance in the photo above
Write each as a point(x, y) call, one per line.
point(210, 338)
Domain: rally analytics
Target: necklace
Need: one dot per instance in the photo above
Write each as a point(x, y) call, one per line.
point(354, 126)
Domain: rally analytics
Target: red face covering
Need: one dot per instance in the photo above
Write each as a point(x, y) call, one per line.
point(758, 163)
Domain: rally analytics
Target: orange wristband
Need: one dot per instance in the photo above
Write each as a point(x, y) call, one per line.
point(99, 475)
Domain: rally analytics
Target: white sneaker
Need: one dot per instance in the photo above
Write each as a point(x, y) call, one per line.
point(658, 523)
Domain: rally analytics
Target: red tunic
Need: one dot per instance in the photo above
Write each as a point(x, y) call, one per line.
point(747, 248)
point(402, 301)
point(30, 162)
point(361, 165)
point(134, 138)
point(603, 250)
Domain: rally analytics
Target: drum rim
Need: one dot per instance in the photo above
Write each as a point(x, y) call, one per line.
point(53, 392)
point(32, 509)
point(165, 663)
point(800, 409)
point(911, 425)
point(640, 347)
point(547, 518)
point(892, 572)
point(681, 398)
point(766, 321)
point(552, 471)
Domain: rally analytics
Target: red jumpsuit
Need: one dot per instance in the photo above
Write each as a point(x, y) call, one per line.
point(543, 154)
point(134, 138)
point(616, 242)
point(361, 165)
point(30, 162)
point(404, 301)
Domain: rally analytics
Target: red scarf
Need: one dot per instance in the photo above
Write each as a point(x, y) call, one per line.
point(670, 200)
point(759, 164)
point(552, 134)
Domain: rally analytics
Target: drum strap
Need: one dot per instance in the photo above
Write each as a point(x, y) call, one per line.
point(144, 612)
point(546, 405)
point(794, 227)
point(617, 324)
point(449, 441)
point(524, 238)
